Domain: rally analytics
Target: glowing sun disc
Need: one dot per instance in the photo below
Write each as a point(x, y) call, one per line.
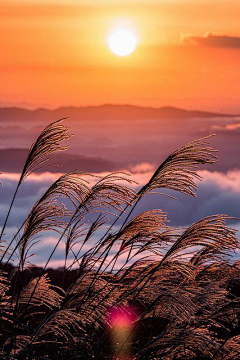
point(122, 42)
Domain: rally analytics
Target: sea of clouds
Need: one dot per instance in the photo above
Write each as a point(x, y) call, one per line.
point(218, 193)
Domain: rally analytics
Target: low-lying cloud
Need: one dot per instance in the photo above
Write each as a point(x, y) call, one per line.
point(222, 41)
point(218, 193)
point(221, 189)
point(227, 127)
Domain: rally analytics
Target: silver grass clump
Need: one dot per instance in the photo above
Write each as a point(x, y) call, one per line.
point(183, 290)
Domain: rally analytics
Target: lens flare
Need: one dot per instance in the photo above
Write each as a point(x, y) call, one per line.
point(121, 321)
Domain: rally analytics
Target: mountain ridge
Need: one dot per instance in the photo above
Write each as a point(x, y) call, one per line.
point(106, 112)
point(13, 159)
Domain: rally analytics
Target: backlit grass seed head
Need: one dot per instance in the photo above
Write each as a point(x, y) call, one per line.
point(47, 142)
point(179, 170)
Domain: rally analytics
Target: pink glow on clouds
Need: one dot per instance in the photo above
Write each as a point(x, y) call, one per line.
point(232, 126)
point(141, 174)
point(53, 263)
point(45, 176)
point(230, 180)
point(143, 168)
point(228, 127)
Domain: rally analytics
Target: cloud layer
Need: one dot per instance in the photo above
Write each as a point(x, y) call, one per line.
point(222, 41)
point(218, 193)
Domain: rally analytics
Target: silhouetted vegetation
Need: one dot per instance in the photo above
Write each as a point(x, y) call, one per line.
point(175, 294)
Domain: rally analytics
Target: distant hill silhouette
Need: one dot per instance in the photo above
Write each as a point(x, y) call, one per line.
point(12, 160)
point(107, 112)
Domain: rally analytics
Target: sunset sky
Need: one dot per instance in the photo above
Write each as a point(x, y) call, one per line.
point(55, 53)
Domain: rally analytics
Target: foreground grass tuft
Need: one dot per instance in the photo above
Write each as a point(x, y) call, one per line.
point(175, 294)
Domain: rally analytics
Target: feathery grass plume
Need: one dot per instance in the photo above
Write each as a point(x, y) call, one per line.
point(45, 298)
point(206, 255)
point(101, 287)
point(105, 194)
point(3, 248)
point(62, 332)
point(179, 170)
point(47, 142)
point(187, 344)
point(42, 219)
point(109, 192)
point(5, 309)
point(71, 186)
point(146, 227)
point(230, 349)
point(149, 224)
point(46, 212)
point(210, 231)
point(46, 295)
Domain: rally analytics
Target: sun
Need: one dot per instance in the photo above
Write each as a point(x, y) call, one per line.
point(122, 42)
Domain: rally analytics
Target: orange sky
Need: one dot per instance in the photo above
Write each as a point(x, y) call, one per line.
point(55, 53)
